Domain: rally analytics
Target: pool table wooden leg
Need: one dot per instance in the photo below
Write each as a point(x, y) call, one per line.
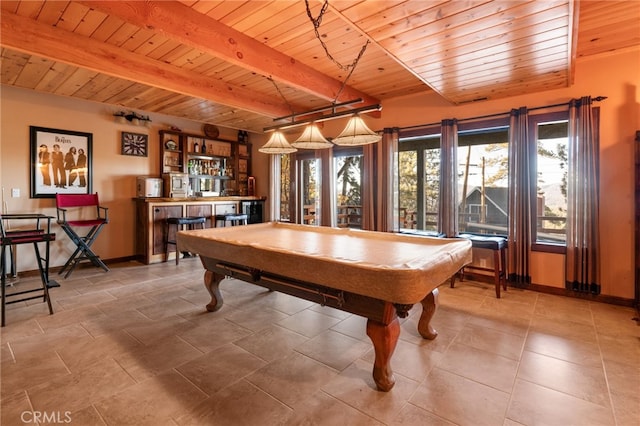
point(212, 283)
point(384, 338)
point(429, 305)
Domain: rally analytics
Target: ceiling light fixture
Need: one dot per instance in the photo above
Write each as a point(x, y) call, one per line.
point(355, 133)
point(311, 138)
point(317, 119)
point(277, 144)
point(133, 118)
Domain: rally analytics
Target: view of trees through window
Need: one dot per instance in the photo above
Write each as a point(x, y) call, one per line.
point(418, 197)
point(285, 187)
point(408, 188)
point(310, 190)
point(483, 194)
point(418, 182)
point(348, 190)
point(551, 182)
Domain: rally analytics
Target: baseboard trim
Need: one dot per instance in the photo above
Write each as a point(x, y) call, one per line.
point(612, 300)
point(83, 265)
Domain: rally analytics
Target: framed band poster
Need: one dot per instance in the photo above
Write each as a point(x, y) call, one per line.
point(60, 162)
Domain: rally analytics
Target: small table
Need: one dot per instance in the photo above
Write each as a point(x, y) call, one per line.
point(11, 238)
point(377, 275)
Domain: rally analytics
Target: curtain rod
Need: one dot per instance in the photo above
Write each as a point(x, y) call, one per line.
point(499, 114)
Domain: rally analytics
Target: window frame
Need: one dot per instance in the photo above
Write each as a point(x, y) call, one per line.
point(419, 140)
point(534, 121)
point(485, 126)
point(300, 157)
point(345, 151)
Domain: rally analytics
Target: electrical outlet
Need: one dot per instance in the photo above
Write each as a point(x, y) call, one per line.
point(15, 192)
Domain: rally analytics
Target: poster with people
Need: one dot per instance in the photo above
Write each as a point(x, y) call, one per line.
point(60, 162)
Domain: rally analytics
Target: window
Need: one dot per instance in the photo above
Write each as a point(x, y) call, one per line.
point(408, 183)
point(419, 182)
point(483, 179)
point(550, 134)
point(348, 179)
point(285, 188)
point(309, 202)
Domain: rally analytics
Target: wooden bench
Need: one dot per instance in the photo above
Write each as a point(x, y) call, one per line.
point(499, 247)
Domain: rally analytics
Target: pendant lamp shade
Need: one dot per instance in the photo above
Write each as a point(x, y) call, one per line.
point(357, 133)
point(311, 138)
point(277, 144)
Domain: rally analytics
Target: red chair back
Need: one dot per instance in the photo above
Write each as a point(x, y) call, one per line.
point(76, 200)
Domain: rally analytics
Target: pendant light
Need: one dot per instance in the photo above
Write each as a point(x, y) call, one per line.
point(277, 144)
point(311, 138)
point(357, 133)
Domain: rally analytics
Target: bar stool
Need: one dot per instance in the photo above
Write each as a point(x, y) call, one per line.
point(499, 246)
point(8, 239)
point(234, 219)
point(189, 221)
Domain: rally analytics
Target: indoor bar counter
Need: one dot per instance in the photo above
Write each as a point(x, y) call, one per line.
point(151, 215)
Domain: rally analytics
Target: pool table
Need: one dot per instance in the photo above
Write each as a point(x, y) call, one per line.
point(377, 275)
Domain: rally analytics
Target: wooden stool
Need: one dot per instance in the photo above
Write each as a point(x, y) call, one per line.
point(234, 219)
point(499, 246)
point(189, 221)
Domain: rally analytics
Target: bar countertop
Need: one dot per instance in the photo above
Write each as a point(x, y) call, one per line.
point(199, 199)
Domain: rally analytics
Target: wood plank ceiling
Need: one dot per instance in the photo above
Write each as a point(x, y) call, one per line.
point(240, 64)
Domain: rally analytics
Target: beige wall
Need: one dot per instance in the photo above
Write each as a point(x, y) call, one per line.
point(613, 75)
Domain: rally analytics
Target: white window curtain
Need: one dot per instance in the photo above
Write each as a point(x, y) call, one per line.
point(379, 183)
point(448, 203)
point(583, 242)
point(522, 153)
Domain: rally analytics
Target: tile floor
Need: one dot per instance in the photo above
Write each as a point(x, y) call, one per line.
point(135, 346)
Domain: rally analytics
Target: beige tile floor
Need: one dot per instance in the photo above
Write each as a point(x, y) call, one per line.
point(135, 346)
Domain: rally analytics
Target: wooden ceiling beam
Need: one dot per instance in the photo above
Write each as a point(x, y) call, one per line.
point(179, 22)
point(26, 35)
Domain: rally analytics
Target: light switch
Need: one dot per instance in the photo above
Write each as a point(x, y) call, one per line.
point(15, 192)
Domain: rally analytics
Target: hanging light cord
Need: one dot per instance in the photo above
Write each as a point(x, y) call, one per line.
point(316, 26)
point(350, 67)
point(281, 94)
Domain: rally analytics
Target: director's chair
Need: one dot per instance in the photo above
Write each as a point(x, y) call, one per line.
point(82, 204)
point(11, 238)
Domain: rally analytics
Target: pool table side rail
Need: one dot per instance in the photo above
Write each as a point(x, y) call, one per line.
point(406, 284)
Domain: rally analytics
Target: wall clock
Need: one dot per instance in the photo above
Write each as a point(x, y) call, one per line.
point(134, 144)
point(211, 131)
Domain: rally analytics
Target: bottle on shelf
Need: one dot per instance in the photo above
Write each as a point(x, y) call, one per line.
point(203, 148)
point(195, 147)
